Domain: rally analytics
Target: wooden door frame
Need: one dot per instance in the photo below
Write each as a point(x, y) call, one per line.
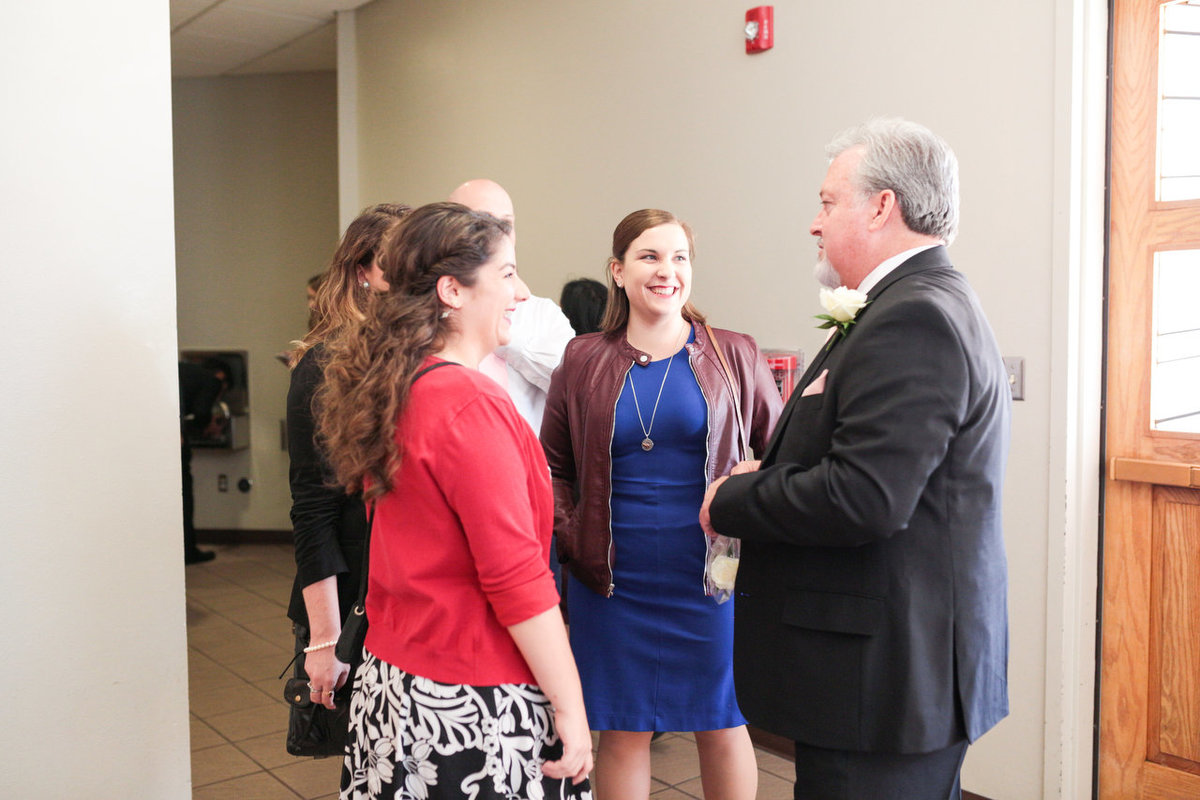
point(1139, 225)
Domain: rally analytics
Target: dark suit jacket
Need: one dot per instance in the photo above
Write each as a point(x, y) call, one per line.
point(871, 610)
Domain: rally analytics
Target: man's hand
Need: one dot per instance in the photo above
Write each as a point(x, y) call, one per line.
point(705, 521)
point(741, 468)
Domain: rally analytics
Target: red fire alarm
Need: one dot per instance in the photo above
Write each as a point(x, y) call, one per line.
point(760, 29)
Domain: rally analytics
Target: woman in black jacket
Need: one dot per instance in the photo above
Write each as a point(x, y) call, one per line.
point(328, 525)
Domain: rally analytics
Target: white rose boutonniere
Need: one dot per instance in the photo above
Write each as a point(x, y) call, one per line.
point(842, 305)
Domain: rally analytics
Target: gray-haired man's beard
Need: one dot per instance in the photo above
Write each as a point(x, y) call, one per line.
point(825, 274)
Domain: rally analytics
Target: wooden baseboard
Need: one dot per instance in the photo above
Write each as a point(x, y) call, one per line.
point(231, 536)
point(784, 748)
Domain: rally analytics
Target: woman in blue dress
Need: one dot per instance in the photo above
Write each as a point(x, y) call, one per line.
point(640, 418)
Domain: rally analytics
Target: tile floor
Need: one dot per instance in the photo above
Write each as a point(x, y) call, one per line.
point(238, 641)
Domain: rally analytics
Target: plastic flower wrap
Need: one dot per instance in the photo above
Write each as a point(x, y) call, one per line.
point(720, 567)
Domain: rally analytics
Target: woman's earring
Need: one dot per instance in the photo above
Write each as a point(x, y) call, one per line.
point(445, 313)
point(366, 285)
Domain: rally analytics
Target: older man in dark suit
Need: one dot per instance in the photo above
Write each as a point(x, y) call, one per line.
point(871, 613)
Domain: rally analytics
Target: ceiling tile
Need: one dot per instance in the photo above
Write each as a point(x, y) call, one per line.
point(184, 10)
point(268, 29)
point(220, 54)
point(313, 52)
point(310, 8)
point(213, 37)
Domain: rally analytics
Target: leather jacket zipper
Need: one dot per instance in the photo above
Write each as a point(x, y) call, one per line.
point(708, 479)
point(611, 435)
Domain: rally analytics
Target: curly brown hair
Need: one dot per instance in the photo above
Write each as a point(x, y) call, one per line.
point(616, 310)
point(340, 298)
point(370, 366)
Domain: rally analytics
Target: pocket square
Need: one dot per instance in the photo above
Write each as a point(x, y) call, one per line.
point(817, 386)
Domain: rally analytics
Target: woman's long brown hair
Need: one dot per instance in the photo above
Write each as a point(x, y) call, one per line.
point(370, 365)
point(341, 298)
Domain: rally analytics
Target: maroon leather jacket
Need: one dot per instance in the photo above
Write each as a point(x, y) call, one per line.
point(577, 432)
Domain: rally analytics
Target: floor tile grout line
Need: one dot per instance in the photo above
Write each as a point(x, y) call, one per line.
point(239, 678)
point(241, 625)
point(232, 618)
point(245, 580)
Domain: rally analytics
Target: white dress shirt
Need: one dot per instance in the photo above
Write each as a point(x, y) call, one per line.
point(540, 332)
point(889, 264)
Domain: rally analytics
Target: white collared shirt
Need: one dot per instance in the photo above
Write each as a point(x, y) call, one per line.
point(540, 332)
point(881, 272)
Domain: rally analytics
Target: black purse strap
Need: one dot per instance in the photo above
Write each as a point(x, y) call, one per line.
point(360, 605)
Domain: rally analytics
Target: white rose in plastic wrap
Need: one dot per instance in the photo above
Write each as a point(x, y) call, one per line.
point(722, 572)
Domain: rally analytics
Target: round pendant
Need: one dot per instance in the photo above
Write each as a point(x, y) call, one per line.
point(647, 444)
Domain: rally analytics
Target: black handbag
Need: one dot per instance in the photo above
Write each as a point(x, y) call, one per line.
point(313, 729)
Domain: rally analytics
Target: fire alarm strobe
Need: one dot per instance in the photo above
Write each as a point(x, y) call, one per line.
point(760, 29)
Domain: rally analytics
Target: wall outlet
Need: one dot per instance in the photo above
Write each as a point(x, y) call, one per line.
point(222, 483)
point(1015, 367)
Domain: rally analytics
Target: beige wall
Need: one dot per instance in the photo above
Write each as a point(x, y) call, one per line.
point(256, 215)
point(91, 567)
point(586, 111)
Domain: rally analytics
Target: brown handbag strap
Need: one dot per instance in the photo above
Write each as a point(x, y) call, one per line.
point(733, 390)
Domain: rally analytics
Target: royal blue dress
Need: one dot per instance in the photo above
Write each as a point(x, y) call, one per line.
point(657, 655)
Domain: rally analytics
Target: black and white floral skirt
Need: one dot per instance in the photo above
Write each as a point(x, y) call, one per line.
point(412, 738)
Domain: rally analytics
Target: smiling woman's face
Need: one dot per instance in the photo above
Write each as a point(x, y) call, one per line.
point(485, 315)
point(656, 273)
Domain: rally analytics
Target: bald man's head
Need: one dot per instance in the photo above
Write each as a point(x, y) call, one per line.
point(487, 196)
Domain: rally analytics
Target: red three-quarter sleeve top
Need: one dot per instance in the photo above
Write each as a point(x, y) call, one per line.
point(460, 547)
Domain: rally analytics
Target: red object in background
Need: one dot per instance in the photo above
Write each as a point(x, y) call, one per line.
point(783, 367)
point(760, 29)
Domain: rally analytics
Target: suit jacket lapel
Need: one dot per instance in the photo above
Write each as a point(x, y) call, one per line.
point(926, 259)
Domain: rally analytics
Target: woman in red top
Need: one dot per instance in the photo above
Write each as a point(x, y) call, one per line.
point(468, 686)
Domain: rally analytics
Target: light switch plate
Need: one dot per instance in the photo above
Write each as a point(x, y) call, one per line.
point(1015, 366)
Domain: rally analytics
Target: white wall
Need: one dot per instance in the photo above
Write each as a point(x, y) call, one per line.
point(91, 567)
point(256, 202)
point(586, 111)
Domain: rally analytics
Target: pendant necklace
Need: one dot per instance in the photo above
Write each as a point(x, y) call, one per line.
point(648, 443)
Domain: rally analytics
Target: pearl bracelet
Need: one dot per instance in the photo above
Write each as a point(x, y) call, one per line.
point(320, 646)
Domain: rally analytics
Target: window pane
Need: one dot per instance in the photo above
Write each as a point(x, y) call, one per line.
point(1180, 142)
point(1180, 188)
point(1179, 65)
point(1175, 378)
point(1182, 17)
point(1179, 98)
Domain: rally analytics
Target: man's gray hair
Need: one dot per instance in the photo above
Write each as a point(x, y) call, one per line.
point(914, 163)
